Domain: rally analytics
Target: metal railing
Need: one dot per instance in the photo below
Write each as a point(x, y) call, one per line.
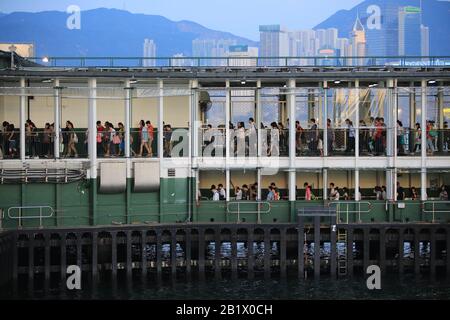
point(239, 62)
point(260, 210)
point(20, 215)
point(348, 209)
point(433, 209)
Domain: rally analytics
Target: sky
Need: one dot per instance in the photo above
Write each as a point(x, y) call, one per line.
point(240, 17)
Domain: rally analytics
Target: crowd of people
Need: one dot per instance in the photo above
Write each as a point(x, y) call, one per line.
point(340, 141)
point(244, 138)
point(334, 193)
point(39, 143)
point(244, 192)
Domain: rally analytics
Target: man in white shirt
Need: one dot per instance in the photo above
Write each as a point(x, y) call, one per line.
point(222, 193)
point(215, 193)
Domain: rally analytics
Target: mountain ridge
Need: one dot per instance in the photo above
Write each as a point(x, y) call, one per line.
point(46, 28)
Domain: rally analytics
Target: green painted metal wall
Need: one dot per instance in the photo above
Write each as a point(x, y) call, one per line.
point(79, 204)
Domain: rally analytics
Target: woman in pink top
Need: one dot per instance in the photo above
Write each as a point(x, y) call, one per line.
point(307, 191)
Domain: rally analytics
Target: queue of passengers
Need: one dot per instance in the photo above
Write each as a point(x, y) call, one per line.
point(372, 138)
point(110, 140)
point(240, 193)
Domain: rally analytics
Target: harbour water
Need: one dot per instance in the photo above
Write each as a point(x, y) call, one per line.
point(213, 289)
point(226, 287)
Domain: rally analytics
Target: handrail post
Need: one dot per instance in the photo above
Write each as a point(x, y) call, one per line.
point(433, 212)
point(238, 213)
point(40, 217)
point(347, 213)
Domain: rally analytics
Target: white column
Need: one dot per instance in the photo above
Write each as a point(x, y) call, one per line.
point(441, 106)
point(390, 143)
point(357, 198)
point(227, 120)
point(57, 119)
point(259, 184)
point(394, 103)
point(160, 122)
point(423, 170)
point(193, 125)
point(193, 135)
point(325, 184)
point(292, 152)
point(412, 106)
point(227, 183)
point(23, 98)
point(357, 120)
point(92, 127)
point(390, 188)
point(394, 117)
point(258, 119)
point(227, 138)
point(325, 119)
point(128, 94)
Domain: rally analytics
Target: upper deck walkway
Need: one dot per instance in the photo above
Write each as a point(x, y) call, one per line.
point(407, 67)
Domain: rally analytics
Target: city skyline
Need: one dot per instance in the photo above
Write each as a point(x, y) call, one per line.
point(293, 14)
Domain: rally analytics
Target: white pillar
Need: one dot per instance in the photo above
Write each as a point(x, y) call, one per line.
point(423, 171)
point(193, 125)
point(390, 188)
point(92, 127)
point(325, 119)
point(259, 195)
point(227, 121)
point(128, 94)
point(227, 183)
point(57, 119)
point(357, 120)
point(292, 151)
point(23, 98)
point(325, 184)
point(357, 102)
point(227, 137)
point(160, 121)
point(258, 119)
point(441, 106)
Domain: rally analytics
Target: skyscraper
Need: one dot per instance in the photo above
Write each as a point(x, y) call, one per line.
point(241, 55)
point(409, 31)
point(211, 48)
point(382, 39)
point(149, 52)
point(358, 42)
point(425, 41)
point(274, 42)
point(331, 37)
point(342, 45)
point(321, 35)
